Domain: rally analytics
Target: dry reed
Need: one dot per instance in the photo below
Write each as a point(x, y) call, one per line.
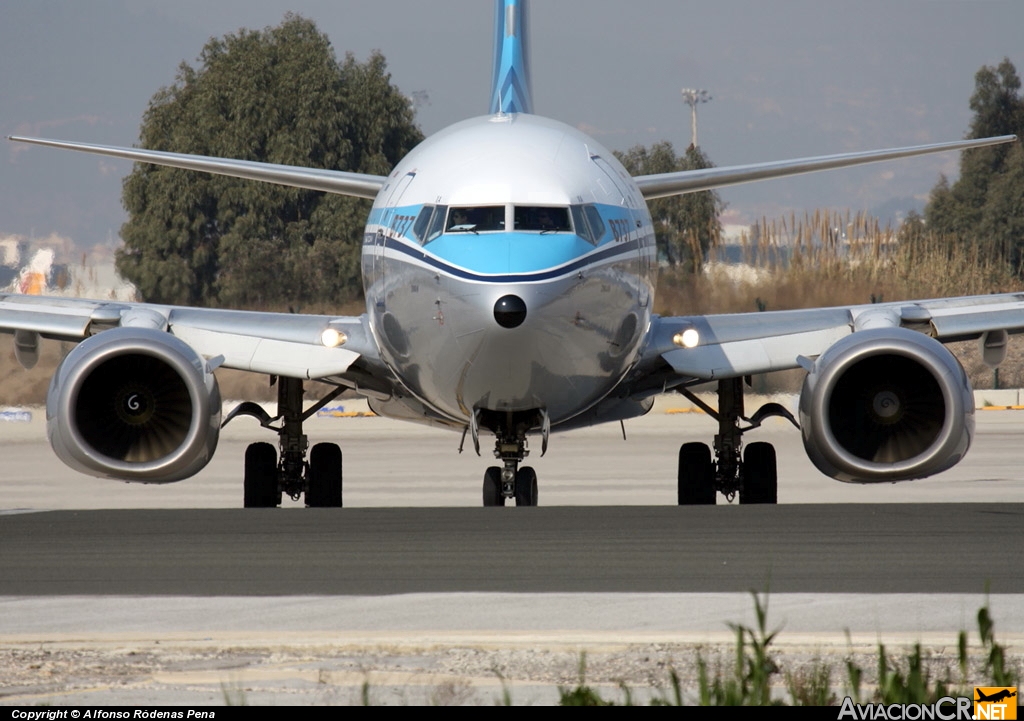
point(828, 258)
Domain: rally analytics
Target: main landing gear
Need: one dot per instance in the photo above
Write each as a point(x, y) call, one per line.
point(754, 476)
point(267, 477)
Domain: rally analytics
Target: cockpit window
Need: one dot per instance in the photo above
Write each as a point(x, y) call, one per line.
point(436, 223)
point(589, 225)
point(419, 228)
point(477, 219)
point(595, 222)
point(542, 218)
point(429, 223)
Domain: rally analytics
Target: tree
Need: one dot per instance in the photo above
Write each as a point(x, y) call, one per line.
point(958, 211)
point(685, 226)
point(278, 95)
point(912, 230)
point(1002, 218)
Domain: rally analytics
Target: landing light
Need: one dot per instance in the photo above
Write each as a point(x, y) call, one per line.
point(332, 338)
point(688, 338)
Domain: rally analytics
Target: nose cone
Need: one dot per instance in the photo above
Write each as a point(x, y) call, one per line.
point(510, 311)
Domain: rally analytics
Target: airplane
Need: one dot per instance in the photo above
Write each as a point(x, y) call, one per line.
point(509, 273)
point(1000, 695)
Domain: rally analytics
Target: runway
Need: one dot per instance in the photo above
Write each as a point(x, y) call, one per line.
point(132, 594)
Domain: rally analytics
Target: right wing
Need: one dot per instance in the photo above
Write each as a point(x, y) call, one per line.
point(359, 185)
point(272, 343)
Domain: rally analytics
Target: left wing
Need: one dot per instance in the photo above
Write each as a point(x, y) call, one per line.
point(662, 185)
point(359, 185)
point(713, 347)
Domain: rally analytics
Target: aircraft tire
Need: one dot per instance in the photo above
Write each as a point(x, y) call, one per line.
point(696, 475)
point(492, 487)
point(325, 480)
point(260, 483)
point(526, 487)
point(760, 474)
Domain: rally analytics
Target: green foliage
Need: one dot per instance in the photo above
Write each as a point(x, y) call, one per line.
point(996, 102)
point(995, 666)
point(278, 95)
point(812, 687)
point(582, 694)
point(677, 692)
point(686, 226)
point(986, 204)
point(913, 229)
point(909, 682)
point(1002, 216)
point(750, 682)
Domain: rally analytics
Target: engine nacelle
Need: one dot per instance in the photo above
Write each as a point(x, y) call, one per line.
point(887, 404)
point(135, 404)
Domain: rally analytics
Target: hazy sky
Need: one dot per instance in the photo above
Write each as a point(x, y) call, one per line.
point(789, 78)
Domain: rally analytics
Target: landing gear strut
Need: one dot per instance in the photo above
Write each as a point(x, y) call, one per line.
point(267, 477)
point(509, 481)
point(751, 474)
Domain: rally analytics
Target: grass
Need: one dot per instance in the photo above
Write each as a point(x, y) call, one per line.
point(755, 674)
point(750, 683)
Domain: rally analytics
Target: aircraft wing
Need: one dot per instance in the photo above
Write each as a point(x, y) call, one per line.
point(728, 346)
point(662, 185)
point(297, 346)
point(359, 185)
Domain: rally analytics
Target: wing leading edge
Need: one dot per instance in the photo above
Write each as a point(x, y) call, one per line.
point(362, 185)
point(359, 185)
point(662, 185)
point(297, 346)
point(733, 345)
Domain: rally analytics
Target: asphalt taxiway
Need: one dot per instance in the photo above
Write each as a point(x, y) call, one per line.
point(394, 464)
point(799, 548)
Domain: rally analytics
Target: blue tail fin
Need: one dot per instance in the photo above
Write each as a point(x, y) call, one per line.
point(510, 81)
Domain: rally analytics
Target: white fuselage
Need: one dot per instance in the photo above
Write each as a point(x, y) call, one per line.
point(465, 220)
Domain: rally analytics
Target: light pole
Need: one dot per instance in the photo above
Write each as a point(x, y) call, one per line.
point(692, 97)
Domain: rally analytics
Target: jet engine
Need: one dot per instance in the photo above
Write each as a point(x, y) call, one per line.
point(886, 404)
point(135, 404)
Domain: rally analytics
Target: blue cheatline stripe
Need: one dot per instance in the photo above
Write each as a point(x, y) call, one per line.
point(613, 251)
point(509, 252)
point(510, 78)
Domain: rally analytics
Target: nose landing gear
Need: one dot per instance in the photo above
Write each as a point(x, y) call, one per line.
point(524, 487)
point(509, 481)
